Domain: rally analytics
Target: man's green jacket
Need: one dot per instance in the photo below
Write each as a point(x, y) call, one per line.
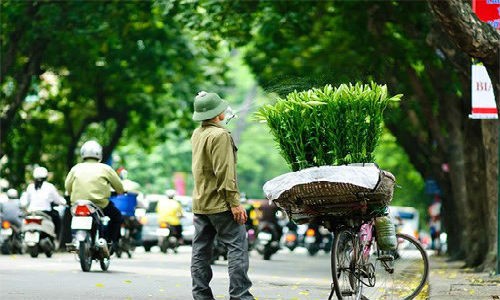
point(214, 169)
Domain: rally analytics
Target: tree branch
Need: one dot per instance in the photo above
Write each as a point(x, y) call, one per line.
point(121, 123)
point(473, 36)
point(24, 80)
point(8, 59)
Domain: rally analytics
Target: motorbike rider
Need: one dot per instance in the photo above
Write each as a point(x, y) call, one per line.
point(92, 180)
point(11, 210)
point(268, 214)
point(130, 186)
point(252, 220)
point(129, 202)
point(4, 186)
point(134, 196)
point(42, 195)
point(170, 211)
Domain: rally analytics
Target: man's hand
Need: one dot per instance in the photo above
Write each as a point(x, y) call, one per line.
point(239, 214)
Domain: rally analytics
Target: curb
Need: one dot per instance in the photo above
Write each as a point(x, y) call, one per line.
point(450, 280)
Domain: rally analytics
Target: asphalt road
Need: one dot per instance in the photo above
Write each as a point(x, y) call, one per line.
point(155, 275)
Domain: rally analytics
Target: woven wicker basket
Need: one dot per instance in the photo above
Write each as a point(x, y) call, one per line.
point(336, 199)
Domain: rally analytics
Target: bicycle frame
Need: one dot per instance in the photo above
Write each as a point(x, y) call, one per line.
point(356, 261)
point(366, 233)
point(363, 232)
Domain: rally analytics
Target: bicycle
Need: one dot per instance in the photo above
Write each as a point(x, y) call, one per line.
point(347, 201)
point(360, 270)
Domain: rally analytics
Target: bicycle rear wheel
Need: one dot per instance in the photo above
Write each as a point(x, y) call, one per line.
point(400, 274)
point(344, 264)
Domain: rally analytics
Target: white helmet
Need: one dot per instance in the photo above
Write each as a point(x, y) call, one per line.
point(170, 193)
point(40, 173)
point(91, 149)
point(123, 174)
point(12, 194)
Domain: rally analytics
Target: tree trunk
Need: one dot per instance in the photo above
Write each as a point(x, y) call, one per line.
point(476, 242)
point(23, 85)
point(121, 123)
point(454, 206)
point(75, 137)
point(481, 41)
point(490, 142)
point(454, 110)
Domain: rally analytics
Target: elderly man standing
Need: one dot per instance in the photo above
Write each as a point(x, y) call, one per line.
point(216, 201)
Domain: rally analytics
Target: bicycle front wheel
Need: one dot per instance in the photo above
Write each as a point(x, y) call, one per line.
point(400, 274)
point(346, 254)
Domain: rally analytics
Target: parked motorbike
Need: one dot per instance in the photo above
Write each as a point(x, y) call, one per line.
point(267, 240)
point(317, 238)
point(88, 224)
point(167, 239)
point(11, 238)
point(39, 234)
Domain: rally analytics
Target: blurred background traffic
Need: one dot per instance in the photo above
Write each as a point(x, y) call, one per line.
point(126, 74)
point(163, 222)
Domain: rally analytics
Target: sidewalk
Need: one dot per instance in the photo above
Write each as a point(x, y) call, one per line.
point(448, 280)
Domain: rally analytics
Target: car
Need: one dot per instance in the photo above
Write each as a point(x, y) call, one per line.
point(406, 219)
point(150, 221)
point(187, 219)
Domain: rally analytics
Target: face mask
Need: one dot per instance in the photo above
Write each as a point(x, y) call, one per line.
point(230, 114)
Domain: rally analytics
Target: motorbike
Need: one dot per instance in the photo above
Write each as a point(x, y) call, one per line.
point(130, 227)
point(317, 238)
point(251, 238)
point(220, 250)
point(39, 234)
point(127, 243)
point(267, 242)
point(88, 224)
point(11, 238)
point(167, 238)
point(291, 236)
point(291, 239)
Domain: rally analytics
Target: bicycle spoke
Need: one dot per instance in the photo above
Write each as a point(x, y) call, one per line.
point(400, 274)
point(346, 276)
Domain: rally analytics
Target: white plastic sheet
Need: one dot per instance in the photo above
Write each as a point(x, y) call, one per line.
point(364, 175)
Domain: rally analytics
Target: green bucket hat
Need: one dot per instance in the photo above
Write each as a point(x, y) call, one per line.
point(208, 106)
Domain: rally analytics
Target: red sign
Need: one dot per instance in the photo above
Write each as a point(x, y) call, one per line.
point(488, 11)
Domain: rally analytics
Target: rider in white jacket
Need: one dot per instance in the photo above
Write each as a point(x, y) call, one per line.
point(41, 194)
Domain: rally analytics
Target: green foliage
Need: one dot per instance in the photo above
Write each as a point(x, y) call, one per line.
point(409, 189)
point(154, 169)
point(258, 158)
point(94, 69)
point(258, 161)
point(328, 126)
point(291, 46)
point(142, 61)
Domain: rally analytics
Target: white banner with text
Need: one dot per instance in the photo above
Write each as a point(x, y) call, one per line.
point(483, 98)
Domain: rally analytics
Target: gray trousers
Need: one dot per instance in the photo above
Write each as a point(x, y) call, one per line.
point(233, 236)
